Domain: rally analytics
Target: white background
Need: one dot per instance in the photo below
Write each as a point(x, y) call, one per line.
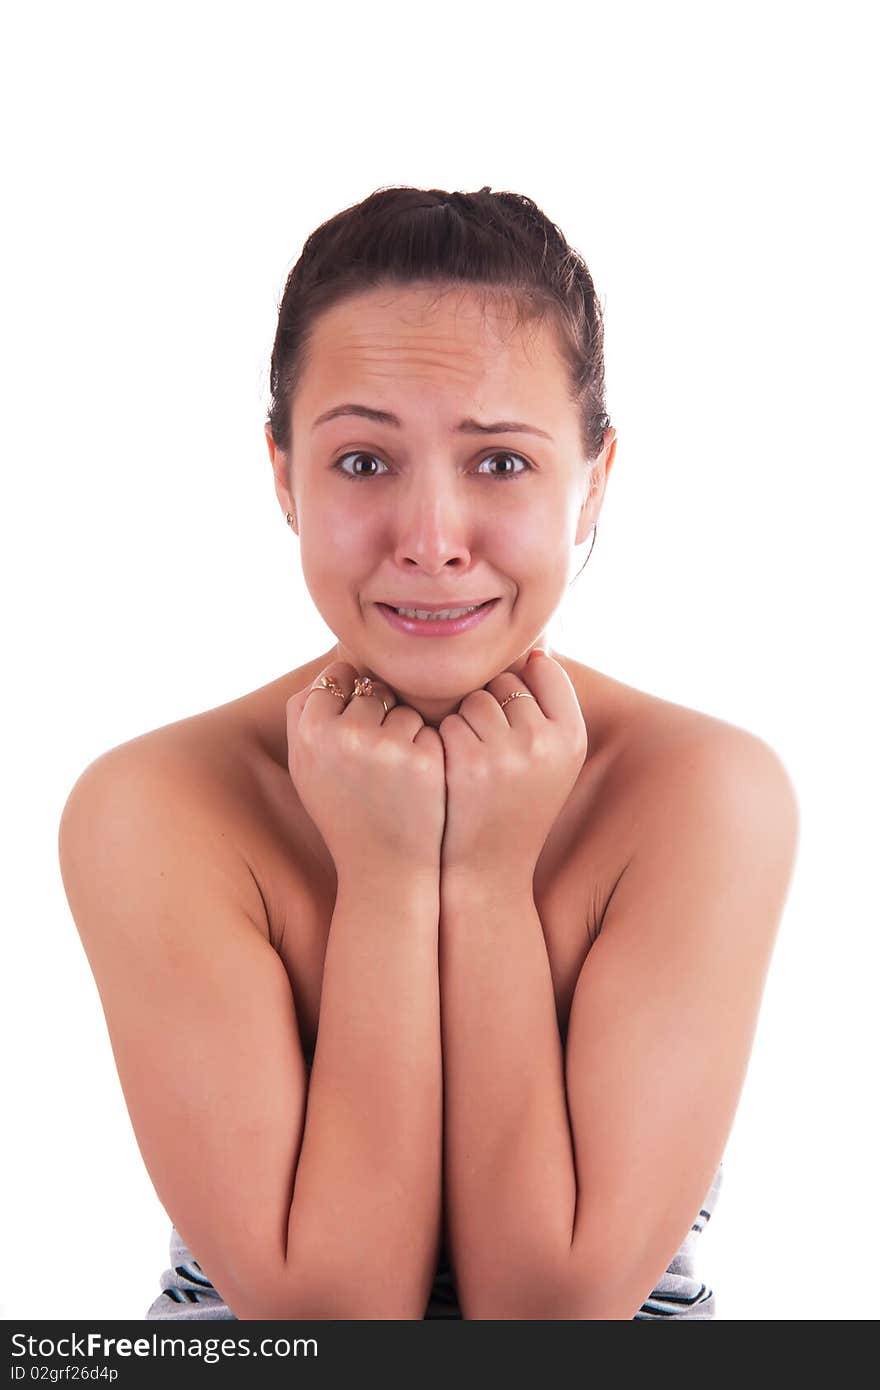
point(715, 165)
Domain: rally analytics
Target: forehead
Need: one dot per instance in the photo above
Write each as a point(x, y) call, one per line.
point(449, 336)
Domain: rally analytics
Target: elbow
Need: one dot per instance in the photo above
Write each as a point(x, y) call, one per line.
point(320, 1295)
point(568, 1295)
point(533, 1293)
point(334, 1306)
point(341, 1280)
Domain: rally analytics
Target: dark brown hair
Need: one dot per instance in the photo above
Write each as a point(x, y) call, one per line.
point(499, 243)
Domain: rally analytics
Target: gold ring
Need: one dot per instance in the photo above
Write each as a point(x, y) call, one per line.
point(516, 695)
point(329, 683)
point(363, 685)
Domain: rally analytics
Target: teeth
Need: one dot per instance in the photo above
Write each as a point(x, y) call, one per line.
point(435, 617)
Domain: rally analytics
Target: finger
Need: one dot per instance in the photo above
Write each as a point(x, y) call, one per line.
point(542, 678)
point(455, 731)
point(317, 701)
point(368, 708)
point(552, 687)
point(372, 700)
point(480, 710)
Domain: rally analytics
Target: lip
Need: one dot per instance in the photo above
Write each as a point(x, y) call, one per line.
point(436, 627)
point(434, 607)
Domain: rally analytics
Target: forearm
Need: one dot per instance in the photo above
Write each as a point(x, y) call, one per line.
point(366, 1208)
point(509, 1166)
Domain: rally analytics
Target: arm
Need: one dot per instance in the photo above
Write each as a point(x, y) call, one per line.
point(581, 1223)
point(367, 1201)
point(294, 1211)
point(510, 1184)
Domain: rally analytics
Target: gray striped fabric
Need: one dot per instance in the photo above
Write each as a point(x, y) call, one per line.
point(188, 1293)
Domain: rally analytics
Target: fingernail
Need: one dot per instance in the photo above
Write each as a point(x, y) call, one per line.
point(537, 651)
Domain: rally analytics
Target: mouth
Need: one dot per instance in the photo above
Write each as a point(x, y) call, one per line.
point(423, 623)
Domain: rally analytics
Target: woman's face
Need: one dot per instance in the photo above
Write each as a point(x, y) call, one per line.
point(425, 508)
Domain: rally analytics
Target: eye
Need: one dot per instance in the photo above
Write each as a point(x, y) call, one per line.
point(355, 454)
point(507, 455)
point(362, 454)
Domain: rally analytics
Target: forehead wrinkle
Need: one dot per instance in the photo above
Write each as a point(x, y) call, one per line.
point(419, 373)
point(402, 347)
point(396, 359)
point(405, 340)
point(452, 355)
point(403, 334)
point(347, 351)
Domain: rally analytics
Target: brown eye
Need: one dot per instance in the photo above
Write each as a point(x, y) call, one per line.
point(355, 454)
point(362, 454)
point(508, 473)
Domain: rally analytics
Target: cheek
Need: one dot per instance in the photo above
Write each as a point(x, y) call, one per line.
point(534, 546)
point(336, 511)
point(336, 535)
point(338, 556)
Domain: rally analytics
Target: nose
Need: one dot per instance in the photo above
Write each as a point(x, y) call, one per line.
point(433, 523)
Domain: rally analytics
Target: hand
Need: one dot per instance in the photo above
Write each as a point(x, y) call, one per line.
point(372, 782)
point(509, 771)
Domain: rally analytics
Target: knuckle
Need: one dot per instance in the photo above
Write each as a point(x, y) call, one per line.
point(349, 739)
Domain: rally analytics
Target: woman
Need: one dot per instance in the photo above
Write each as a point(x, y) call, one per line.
point(432, 968)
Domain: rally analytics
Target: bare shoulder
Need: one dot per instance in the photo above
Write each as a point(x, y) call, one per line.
point(182, 785)
point(664, 764)
point(219, 756)
point(216, 782)
point(681, 750)
point(646, 735)
point(186, 769)
point(692, 782)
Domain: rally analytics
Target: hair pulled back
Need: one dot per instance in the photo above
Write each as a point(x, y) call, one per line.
point(499, 243)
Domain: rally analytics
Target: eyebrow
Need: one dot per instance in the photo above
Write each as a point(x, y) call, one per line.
point(468, 426)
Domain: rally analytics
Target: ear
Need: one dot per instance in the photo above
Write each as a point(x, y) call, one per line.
point(280, 461)
point(609, 449)
point(270, 441)
point(595, 495)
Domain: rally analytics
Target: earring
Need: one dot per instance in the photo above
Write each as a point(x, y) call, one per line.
point(290, 518)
